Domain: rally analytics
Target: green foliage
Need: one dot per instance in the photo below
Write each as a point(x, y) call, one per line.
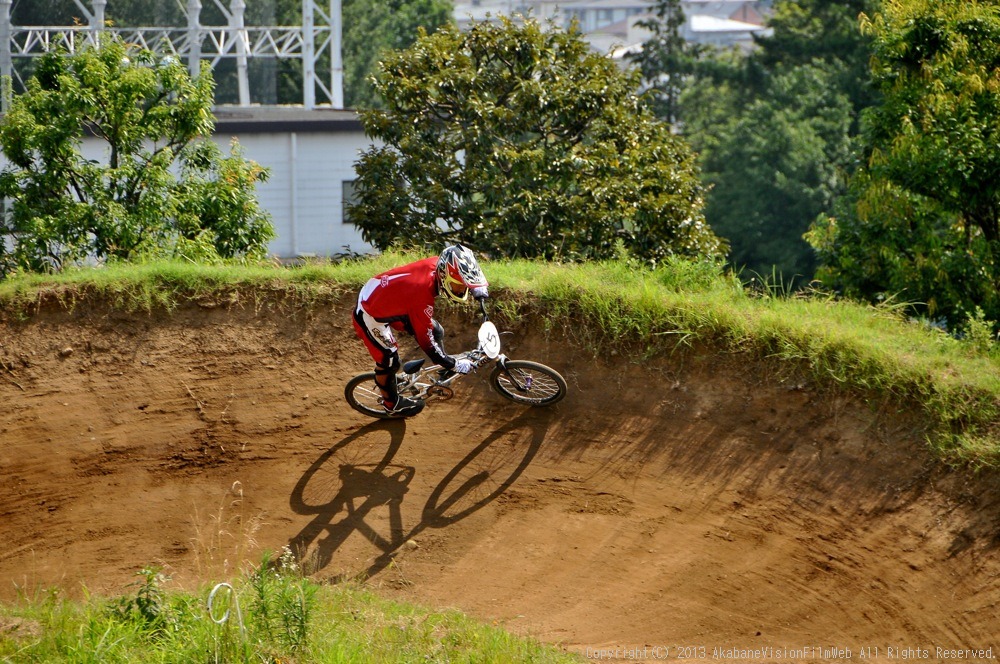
point(937, 130)
point(776, 130)
point(281, 603)
point(778, 169)
point(287, 619)
point(666, 59)
point(980, 334)
point(42, 12)
point(925, 211)
point(523, 142)
point(807, 32)
point(150, 114)
point(217, 201)
point(149, 606)
point(883, 242)
point(372, 27)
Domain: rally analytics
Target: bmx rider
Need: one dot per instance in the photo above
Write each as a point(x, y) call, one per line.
point(402, 299)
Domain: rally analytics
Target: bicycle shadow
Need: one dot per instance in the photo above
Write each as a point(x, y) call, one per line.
point(356, 476)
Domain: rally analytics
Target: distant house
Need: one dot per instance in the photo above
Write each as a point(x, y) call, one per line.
point(722, 32)
point(742, 11)
point(311, 155)
point(599, 15)
point(611, 24)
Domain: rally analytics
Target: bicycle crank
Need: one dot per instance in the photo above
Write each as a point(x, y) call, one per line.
point(440, 392)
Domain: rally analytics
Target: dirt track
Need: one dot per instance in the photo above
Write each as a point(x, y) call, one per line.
point(700, 504)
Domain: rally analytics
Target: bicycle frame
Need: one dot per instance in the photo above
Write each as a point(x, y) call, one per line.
point(419, 382)
point(416, 377)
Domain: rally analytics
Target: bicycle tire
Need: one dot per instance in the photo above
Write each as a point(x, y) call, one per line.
point(528, 383)
point(363, 395)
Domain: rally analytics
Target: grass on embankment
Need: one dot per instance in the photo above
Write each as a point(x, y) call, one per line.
point(873, 351)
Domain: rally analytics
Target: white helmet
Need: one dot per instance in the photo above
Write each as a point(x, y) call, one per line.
point(458, 272)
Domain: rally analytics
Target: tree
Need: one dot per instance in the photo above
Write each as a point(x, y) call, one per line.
point(523, 142)
point(804, 32)
point(375, 26)
point(778, 170)
point(776, 130)
point(932, 143)
point(42, 12)
point(666, 59)
point(937, 131)
point(882, 242)
point(150, 115)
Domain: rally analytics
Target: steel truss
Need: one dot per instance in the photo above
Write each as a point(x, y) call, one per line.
point(317, 40)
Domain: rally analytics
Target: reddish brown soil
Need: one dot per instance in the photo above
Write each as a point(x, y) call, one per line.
point(699, 504)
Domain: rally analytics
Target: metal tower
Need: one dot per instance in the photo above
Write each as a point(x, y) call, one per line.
point(317, 40)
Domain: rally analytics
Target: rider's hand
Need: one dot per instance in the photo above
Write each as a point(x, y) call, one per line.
point(463, 365)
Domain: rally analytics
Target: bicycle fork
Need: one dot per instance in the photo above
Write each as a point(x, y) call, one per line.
point(521, 382)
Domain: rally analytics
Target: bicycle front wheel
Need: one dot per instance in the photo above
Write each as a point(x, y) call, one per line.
point(529, 383)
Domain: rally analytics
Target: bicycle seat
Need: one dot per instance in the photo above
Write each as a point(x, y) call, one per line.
point(413, 366)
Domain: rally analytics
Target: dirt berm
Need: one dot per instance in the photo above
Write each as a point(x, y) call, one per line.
point(705, 504)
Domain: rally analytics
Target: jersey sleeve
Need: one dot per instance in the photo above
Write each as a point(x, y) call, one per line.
point(422, 322)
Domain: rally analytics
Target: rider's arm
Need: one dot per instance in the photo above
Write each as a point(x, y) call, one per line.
point(422, 322)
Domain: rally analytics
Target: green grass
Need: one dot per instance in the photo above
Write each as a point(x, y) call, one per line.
point(269, 614)
point(642, 313)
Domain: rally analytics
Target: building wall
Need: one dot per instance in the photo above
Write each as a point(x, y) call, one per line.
point(311, 154)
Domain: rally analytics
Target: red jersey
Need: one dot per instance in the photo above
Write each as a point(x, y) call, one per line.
point(404, 297)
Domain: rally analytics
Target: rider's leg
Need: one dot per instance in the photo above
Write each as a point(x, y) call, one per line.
point(385, 378)
point(395, 403)
point(381, 344)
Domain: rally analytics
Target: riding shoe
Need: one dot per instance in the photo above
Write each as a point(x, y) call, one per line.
point(404, 407)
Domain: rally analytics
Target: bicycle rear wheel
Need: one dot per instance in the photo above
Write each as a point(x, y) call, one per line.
point(528, 383)
point(363, 395)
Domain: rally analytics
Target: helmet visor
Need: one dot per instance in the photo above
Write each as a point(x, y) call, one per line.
point(454, 284)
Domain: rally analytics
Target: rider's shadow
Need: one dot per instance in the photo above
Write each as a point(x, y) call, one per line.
point(349, 481)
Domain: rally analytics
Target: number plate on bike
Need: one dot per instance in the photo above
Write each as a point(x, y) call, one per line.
point(489, 339)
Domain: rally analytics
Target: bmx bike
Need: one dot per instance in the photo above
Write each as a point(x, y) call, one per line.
point(520, 381)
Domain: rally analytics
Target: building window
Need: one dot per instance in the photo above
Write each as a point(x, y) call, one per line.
point(349, 196)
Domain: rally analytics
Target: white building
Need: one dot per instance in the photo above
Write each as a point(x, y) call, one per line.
point(611, 24)
point(311, 156)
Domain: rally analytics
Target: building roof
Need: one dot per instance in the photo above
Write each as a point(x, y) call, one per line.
point(268, 119)
point(619, 29)
point(704, 23)
point(607, 4)
point(738, 10)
